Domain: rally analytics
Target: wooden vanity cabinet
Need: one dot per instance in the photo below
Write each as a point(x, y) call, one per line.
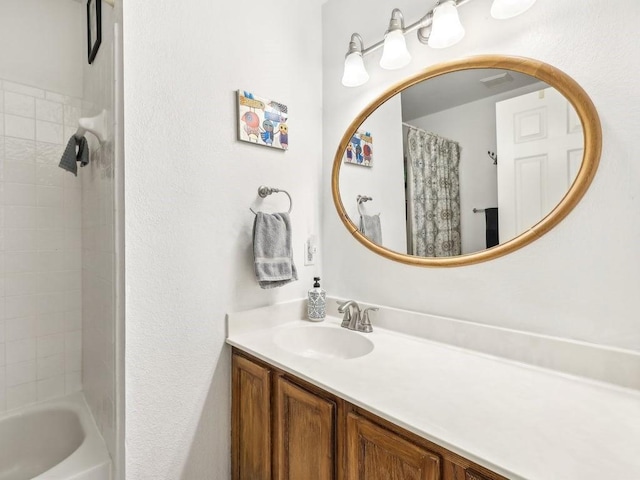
point(376, 453)
point(251, 420)
point(305, 433)
point(284, 428)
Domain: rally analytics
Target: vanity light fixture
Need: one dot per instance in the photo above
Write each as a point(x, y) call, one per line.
point(394, 53)
point(503, 9)
point(354, 72)
point(439, 28)
point(446, 29)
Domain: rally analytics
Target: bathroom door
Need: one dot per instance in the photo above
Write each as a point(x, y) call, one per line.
point(540, 148)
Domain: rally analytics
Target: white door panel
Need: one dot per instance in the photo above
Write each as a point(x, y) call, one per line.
point(540, 148)
point(530, 177)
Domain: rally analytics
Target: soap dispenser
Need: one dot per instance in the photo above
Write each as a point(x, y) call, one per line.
point(316, 303)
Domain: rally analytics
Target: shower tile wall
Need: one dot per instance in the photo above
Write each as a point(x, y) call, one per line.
point(98, 302)
point(98, 244)
point(40, 248)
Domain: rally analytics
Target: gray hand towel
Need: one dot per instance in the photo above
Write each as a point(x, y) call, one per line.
point(272, 252)
point(70, 156)
point(370, 227)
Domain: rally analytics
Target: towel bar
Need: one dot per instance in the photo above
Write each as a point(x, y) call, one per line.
point(478, 210)
point(263, 192)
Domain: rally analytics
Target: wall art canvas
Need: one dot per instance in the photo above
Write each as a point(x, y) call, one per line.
point(262, 121)
point(360, 150)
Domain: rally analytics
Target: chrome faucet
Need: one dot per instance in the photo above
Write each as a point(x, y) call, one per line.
point(353, 318)
point(365, 322)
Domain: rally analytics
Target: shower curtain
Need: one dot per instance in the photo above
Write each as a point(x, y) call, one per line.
point(433, 195)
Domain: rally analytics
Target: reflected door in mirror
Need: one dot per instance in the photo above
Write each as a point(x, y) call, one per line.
point(540, 149)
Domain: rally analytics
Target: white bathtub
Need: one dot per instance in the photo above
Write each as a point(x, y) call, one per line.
point(54, 440)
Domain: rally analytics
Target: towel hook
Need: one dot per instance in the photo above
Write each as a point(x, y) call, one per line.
point(264, 191)
point(96, 125)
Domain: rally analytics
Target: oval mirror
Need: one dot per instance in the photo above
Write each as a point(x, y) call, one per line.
point(466, 161)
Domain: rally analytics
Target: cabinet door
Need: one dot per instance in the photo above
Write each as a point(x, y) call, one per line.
point(251, 421)
point(304, 434)
point(453, 471)
point(473, 475)
point(375, 453)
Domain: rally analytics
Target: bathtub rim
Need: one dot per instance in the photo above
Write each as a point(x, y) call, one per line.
point(92, 452)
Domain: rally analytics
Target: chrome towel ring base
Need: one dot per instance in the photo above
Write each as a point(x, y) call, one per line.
point(264, 192)
point(361, 199)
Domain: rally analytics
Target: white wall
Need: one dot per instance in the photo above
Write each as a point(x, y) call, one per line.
point(189, 186)
point(473, 126)
point(42, 44)
point(578, 281)
point(384, 181)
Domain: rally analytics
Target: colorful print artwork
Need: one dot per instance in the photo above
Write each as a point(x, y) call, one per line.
point(360, 150)
point(262, 121)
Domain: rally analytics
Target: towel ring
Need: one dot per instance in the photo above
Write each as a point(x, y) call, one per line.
point(361, 199)
point(263, 192)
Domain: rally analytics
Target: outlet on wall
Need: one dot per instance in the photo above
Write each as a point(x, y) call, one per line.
point(310, 251)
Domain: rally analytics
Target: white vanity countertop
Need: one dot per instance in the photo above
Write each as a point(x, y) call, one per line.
point(520, 421)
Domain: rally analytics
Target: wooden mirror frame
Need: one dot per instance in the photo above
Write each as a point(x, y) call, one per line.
point(550, 75)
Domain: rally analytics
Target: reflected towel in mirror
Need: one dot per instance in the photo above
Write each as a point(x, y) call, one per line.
point(272, 251)
point(491, 220)
point(371, 228)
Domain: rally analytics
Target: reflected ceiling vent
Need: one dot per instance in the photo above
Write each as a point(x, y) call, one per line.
point(495, 80)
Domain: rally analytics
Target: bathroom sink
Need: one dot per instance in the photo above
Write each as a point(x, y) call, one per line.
point(315, 341)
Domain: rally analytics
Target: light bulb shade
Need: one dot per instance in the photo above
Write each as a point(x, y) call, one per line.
point(354, 72)
point(503, 9)
point(394, 54)
point(446, 29)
